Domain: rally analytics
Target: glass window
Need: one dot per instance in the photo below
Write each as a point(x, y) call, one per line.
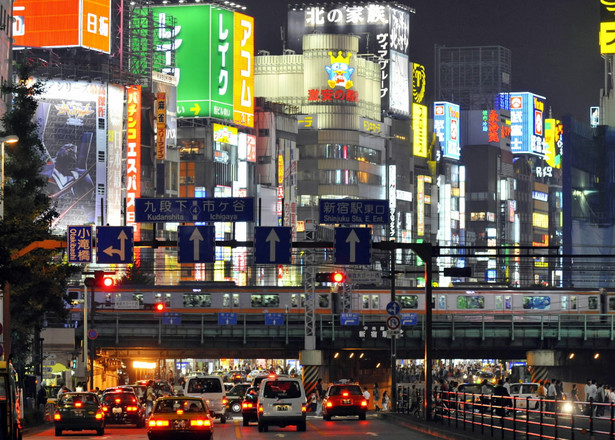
point(409, 301)
point(611, 303)
point(470, 302)
point(592, 303)
point(201, 300)
point(365, 301)
point(442, 302)
point(537, 302)
point(564, 302)
point(573, 303)
point(508, 302)
point(499, 304)
point(323, 301)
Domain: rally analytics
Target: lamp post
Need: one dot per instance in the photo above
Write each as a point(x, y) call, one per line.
point(6, 290)
point(10, 139)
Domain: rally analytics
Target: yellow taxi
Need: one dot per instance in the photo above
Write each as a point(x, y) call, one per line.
point(175, 417)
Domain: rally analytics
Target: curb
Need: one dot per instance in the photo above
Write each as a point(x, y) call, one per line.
point(434, 429)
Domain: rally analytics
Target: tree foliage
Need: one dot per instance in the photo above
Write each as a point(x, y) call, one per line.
point(38, 279)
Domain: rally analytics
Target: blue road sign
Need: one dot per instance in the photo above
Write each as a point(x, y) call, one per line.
point(114, 244)
point(274, 318)
point(196, 244)
point(393, 308)
point(353, 245)
point(349, 318)
point(79, 244)
point(272, 245)
point(227, 318)
point(220, 209)
point(171, 318)
point(409, 319)
point(353, 212)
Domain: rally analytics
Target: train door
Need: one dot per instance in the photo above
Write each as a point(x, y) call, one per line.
point(503, 303)
point(230, 300)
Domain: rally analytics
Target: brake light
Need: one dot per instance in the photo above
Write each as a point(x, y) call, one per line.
point(363, 402)
point(246, 405)
point(131, 408)
point(57, 416)
point(155, 423)
point(200, 422)
point(329, 404)
point(99, 415)
point(180, 411)
point(224, 401)
point(303, 408)
point(261, 409)
point(105, 408)
point(118, 400)
point(345, 394)
point(78, 404)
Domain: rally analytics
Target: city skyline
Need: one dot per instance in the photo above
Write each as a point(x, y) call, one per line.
point(554, 44)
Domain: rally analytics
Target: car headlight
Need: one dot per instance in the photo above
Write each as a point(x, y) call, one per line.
point(567, 407)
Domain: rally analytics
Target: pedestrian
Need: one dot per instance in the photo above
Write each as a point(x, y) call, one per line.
point(63, 390)
point(502, 401)
point(41, 397)
point(376, 397)
point(320, 394)
point(550, 394)
point(386, 400)
point(366, 396)
point(150, 397)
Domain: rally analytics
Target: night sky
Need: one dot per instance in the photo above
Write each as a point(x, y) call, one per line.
point(554, 43)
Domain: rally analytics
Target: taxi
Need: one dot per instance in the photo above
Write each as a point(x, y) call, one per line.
point(79, 412)
point(344, 399)
point(180, 416)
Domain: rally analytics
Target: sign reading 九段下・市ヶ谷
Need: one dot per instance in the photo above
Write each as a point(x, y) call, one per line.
point(222, 209)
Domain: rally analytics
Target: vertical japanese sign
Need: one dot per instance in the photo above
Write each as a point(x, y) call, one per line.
point(420, 206)
point(243, 100)
point(607, 27)
point(161, 126)
point(79, 244)
point(133, 153)
point(419, 129)
point(446, 127)
point(221, 63)
point(527, 123)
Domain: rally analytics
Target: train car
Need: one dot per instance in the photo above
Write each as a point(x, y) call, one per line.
point(446, 303)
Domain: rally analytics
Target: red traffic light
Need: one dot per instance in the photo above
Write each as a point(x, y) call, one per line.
point(103, 280)
point(330, 277)
point(159, 307)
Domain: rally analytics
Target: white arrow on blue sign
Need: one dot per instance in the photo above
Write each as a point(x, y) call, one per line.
point(272, 245)
point(274, 318)
point(393, 308)
point(114, 244)
point(227, 318)
point(196, 244)
point(353, 245)
point(409, 319)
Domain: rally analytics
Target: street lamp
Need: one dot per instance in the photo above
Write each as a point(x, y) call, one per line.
point(10, 139)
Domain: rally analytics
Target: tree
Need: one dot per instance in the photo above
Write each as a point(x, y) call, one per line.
point(38, 279)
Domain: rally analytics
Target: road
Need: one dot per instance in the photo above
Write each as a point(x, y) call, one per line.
point(339, 428)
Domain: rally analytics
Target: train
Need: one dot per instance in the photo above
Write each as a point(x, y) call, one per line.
point(212, 298)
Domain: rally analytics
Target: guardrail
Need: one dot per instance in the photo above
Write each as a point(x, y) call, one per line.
point(516, 417)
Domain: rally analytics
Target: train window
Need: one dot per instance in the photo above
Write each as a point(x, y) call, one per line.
point(508, 302)
point(230, 300)
point(573, 303)
point(442, 302)
point(469, 302)
point(323, 301)
point(297, 300)
point(365, 301)
point(411, 301)
point(108, 299)
point(537, 302)
point(564, 302)
point(499, 304)
point(266, 300)
point(138, 297)
point(592, 303)
point(375, 302)
point(192, 300)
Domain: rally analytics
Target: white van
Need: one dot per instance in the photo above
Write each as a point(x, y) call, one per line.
point(524, 391)
point(211, 390)
point(281, 402)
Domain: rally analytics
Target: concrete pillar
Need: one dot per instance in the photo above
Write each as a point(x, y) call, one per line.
point(545, 364)
point(311, 361)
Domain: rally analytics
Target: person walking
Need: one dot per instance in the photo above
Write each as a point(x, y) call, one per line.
point(386, 400)
point(150, 397)
point(366, 395)
point(376, 397)
point(320, 394)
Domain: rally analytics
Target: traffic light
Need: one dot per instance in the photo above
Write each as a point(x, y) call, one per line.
point(330, 277)
point(160, 307)
point(103, 280)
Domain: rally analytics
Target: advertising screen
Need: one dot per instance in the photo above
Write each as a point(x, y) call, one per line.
point(554, 140)
point(399, 102)
point(527, 123)
point(446, 127)
point(214, 62)
point(67, 120)
point(62, 23)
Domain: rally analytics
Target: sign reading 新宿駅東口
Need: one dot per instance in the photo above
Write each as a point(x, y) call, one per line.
point(347, 211)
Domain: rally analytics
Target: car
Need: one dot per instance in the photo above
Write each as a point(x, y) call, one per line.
point(79, 411)
point(211, 390)
point(281, 402)
point(122, 406)
point(235, 396)
point(249, 406)
point(180, 417)
point(344, 400)
point(256, 380)
point(235, 376)
point(524, 393)
point(468, 393)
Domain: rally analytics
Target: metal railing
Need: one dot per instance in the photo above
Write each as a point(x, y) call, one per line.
point(514, 417)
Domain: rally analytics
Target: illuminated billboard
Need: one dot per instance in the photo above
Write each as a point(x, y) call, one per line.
point(527, 123)
point(419, 129)
point(133, 153)
point(69, 115)
point(215, 55)
point(382, 29)
point(62, 23)
point(337, 79)
point(399, 102)
point(446, 127)
point(419, 78)
point(554, 140)
point(606, 36)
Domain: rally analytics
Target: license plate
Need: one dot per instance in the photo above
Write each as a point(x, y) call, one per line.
point(283, 407)
point(117, 410)
point(78, 413)
point(346, 402)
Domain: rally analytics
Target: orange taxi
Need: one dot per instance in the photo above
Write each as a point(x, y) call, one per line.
point(175, 417)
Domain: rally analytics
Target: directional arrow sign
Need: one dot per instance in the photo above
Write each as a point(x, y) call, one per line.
point(196, 244)
point(272, 245)
point(353, 245)
point(114, 244)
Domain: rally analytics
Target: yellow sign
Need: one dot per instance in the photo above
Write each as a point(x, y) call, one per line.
point(419, 129)
point(161, 126)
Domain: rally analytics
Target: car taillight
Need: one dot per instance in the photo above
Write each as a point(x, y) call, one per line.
point(329, 404)
point(345, 394)
point(105, 409)
point(363, 402)
point(260, 409)
point(200, 422)
point(78, 404)
point(57, 416)
point(246, 405)
point(131, 408)
point(118, 400)
point(224, 401)
point(156, 422)
point(99, 415)
point(303, 408)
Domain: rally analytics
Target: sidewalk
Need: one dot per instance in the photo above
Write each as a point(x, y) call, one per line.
point(433, 428)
